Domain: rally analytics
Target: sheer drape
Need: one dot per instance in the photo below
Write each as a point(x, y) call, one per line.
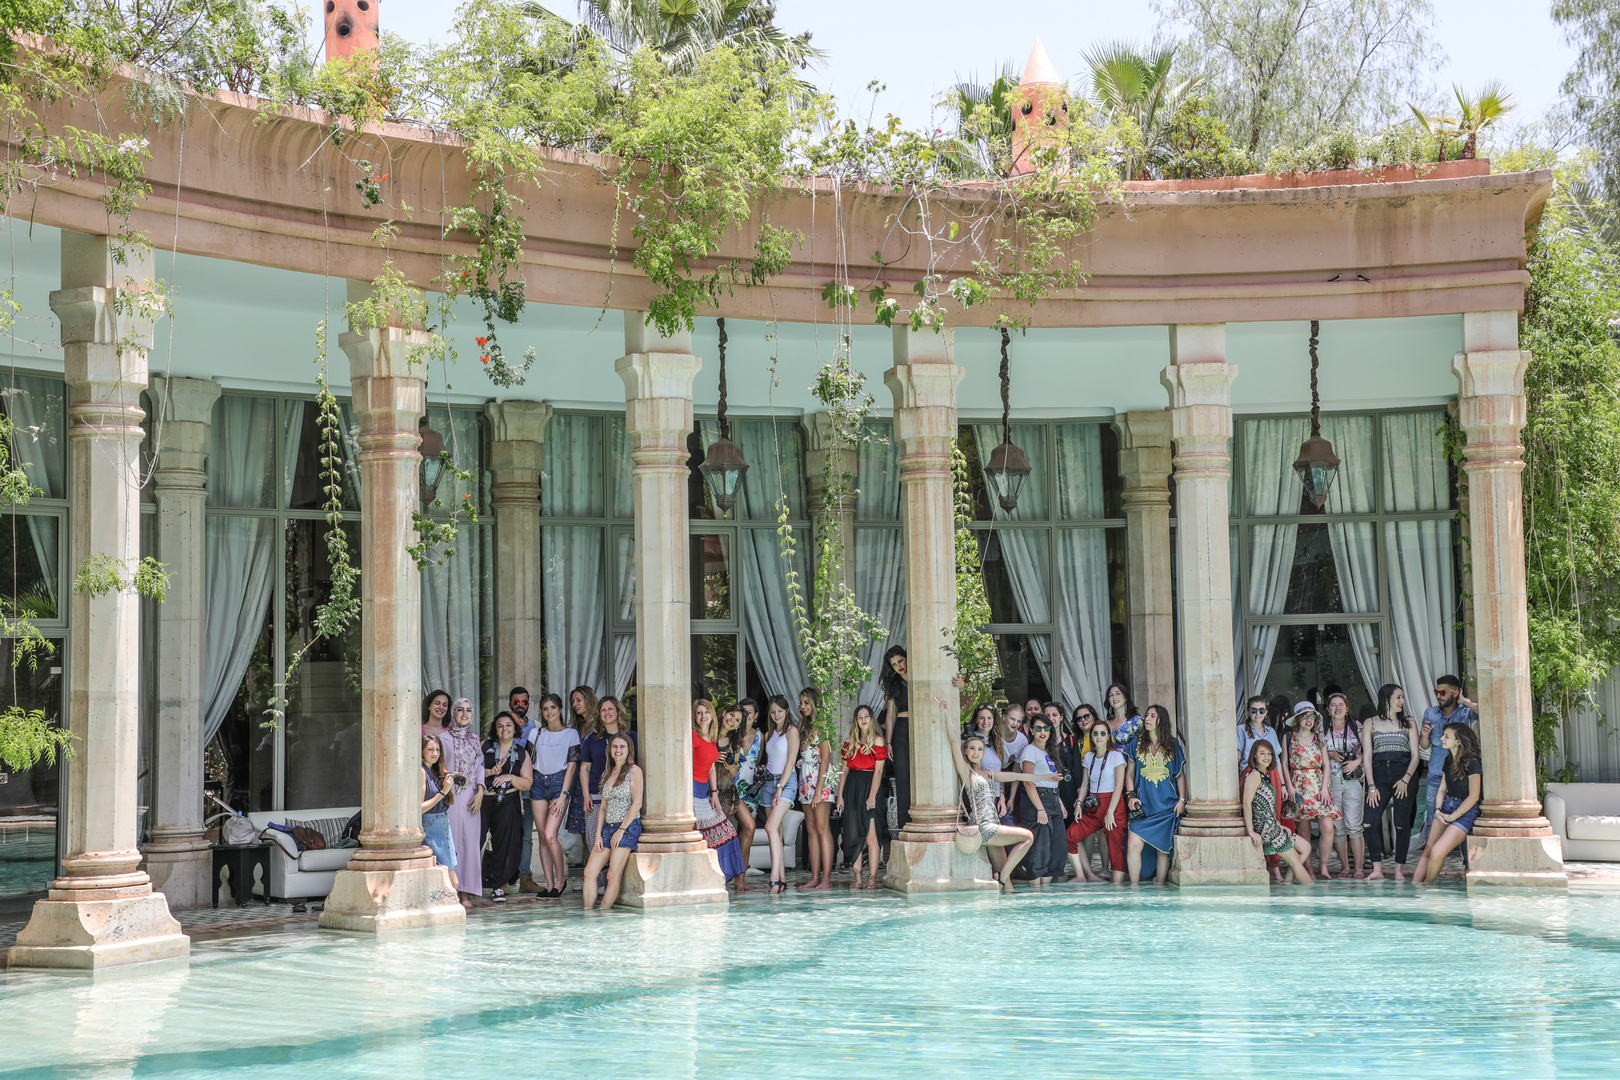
point(1270, 447)
point(450, 590)
point(880, 584)
point(1079, 557)
point(1422, 581)
point(624, 645)
point(571, 556)
point(241, 550)
point(1355, 545)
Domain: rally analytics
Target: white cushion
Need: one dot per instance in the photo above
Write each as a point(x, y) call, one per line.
point(283, 841)
point(1592, 827)
point(328, 859)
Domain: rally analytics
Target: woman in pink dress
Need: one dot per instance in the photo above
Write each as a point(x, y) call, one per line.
point(464, 755)
point(1307, 767)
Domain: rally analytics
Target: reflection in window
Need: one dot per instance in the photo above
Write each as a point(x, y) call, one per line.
point(1322, 657)
point(29, 563)
point(1024, 658)
point(323, 711)
point(714, 666)
point(37, 408)
point(711, 577)
point(301, 456)
point(28, 857)
point(240, 762)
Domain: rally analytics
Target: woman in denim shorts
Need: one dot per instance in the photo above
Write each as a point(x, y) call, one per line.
point(438, 792)
point(1461, 790)
point(777, 782)
point(556, 760)
point(622, 789)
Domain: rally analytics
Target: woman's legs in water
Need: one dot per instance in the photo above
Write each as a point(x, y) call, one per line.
point(552, 857)
point(593, 866)
point(1133, 859)
point(773, 832)
point(616, 864)
point(1297, 857)
point(1014, 843)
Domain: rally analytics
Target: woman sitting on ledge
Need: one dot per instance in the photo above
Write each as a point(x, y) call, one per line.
point(1459, 800)
point(621, 820)
point(969, 756)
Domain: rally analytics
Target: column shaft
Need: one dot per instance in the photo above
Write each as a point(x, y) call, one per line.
point(1512, 844)
point(672, 865)
point(924, 858)
point(102, 910)
point(1211, 845)
point(392, 881)
point(516, 457)
point(1144, 458)
point(178, 858)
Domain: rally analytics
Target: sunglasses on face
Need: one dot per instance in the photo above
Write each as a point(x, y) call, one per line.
point(1041, 727)
point(1257, 712)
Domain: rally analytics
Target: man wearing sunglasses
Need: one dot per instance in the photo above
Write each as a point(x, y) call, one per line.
point(1454, 708)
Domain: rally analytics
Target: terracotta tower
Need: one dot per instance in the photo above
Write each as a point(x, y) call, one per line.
point(351, 27)
point(1040, 109)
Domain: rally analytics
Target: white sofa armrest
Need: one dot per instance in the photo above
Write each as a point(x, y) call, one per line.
point(1556, 812)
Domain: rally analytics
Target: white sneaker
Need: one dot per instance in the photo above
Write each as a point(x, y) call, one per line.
point(499, 897)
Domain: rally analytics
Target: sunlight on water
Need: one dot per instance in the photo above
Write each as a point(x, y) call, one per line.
point(1334, 982)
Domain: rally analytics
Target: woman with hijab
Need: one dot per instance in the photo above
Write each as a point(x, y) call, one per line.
point(465, 754)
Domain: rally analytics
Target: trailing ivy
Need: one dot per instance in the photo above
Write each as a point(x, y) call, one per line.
point(967, 643)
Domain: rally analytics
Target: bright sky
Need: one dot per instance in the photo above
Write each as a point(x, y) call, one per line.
point(919, 47)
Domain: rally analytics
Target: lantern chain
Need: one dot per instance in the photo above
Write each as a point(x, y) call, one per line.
point(1316, 401)
point(1006, 391)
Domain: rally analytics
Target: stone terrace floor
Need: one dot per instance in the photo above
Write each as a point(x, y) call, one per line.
point(230, 921)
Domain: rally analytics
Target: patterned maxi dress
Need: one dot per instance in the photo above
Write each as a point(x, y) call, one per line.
point(1274, 839)
point(1307, 764)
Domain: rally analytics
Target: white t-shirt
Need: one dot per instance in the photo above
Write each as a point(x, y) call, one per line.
point(992, 760)
point(551, 749)
point(1043, 763)
point(1102, 776)
point(1015, 749)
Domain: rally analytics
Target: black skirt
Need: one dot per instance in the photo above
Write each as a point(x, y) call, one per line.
point(857, 818)
point(1050, 852)
point(503, 826)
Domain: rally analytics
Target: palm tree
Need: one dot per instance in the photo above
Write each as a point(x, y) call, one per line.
point(681, 31)
point(1131, 83)
point(1474, 115)
point(984, 123)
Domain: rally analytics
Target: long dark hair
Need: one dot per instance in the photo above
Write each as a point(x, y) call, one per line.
point(1466, 754)
point(1243, 717)
point(427, 706)
point(517, 735)
point(1387, 692)
point(792, 715)
point(888, 681)
point(585, 722)
point(1157, 720)
point(1125, 691)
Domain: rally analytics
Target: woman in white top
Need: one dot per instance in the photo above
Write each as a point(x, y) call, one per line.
point(1007, 747)
point(1102, 790)
point(556, 760)
point(1043, 809)
point(780, 784)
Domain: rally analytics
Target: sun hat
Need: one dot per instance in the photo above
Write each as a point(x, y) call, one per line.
point(1300, 710)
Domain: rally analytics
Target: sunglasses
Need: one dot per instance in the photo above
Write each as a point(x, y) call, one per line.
point(1041, 727)
point(1257, 712)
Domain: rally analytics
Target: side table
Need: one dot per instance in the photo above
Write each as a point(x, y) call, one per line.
point(241, 858)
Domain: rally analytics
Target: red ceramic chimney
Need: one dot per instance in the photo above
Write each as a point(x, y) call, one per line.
point(351, 27)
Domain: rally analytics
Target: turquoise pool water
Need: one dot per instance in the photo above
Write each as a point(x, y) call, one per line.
point(1327, 982)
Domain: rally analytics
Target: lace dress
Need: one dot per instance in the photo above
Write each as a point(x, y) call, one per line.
point(1307, 764)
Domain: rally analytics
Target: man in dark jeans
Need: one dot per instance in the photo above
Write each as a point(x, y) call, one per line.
point(517, 702)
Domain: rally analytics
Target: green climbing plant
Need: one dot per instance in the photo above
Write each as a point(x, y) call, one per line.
point(967, 643)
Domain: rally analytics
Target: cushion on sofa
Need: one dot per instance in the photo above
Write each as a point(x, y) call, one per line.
point(331, 829)
point(329, 859)
point(1592, 827)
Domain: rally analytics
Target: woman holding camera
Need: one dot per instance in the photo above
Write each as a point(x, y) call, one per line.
point(1102, 789)
point(508, 770)
point(438, 792)
point(466, 757)
point(620, 806)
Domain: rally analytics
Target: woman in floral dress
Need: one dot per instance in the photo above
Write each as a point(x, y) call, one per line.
point(1307, 766)
point(1260, 814)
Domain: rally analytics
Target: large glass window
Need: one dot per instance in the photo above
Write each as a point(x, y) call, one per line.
point(1362, 590)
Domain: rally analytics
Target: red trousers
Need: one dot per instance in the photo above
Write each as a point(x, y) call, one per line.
point(1092, 820)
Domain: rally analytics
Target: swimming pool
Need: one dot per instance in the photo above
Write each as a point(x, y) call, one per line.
point(1332, 981)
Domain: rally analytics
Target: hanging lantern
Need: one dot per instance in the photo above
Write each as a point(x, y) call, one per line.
point(1007, 468)
point(431, 472)
point(723, 465)
point(1317, 465)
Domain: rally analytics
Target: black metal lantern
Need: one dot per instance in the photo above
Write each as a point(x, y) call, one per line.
point(1007, 468)
point(1317, 465)
point(431, 473)
point(723, 465)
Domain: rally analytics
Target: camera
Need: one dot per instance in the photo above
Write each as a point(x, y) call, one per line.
point(1090, 802)
point(460, 780)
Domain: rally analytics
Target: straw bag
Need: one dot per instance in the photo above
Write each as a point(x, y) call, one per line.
point(968, 840)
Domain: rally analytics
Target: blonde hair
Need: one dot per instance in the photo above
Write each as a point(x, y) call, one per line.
point(714, 720)
point(854, 744)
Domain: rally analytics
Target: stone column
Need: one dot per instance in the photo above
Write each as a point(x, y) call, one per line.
point(1144, 460)
point(671, 866)
point(924, 857)
point(1212, 847)
point(178, 857)
point(1512, 844)
point(392, 881)
point(102, 910)
point(516, 456)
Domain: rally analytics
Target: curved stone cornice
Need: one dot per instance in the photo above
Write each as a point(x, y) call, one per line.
point(243, 181)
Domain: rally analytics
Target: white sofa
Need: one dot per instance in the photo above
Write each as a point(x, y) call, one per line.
point(296, 875)
point(1586, 818)
point(759, 856)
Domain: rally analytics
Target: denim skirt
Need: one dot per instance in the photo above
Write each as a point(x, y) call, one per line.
point(436, 829)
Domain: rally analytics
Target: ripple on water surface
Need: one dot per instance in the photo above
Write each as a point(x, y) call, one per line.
point(1329, 982)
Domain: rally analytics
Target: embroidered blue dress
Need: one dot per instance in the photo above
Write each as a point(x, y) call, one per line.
point(1157, 787)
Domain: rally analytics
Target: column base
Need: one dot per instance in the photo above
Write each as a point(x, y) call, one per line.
point(91, 934)
point(1203, 860)
point(1521, 862)
point(917, 867)
point(183, 873)
point(671, 879)
point(377, 901)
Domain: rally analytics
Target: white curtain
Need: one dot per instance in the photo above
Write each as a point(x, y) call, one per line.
point(880, 580)
point(1422, 581)
point(450, 590)
point(36, 409)
point(1355, 545)
point(1270, 447)
point(241, 550)
point(571, 555)
point(1024, 551)
point(624, 506)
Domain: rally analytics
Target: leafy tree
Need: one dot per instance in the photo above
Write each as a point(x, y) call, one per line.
point(1133, 84)
point(680, 32)
point(1474, 115)
point(1593, 27)
point(1282, 70)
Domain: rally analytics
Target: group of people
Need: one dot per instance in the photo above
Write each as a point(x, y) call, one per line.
point(1045, 790)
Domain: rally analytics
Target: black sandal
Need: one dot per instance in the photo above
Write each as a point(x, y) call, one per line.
point(778, 887)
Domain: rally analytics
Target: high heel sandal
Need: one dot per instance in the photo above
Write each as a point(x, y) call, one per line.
point(778, 887)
